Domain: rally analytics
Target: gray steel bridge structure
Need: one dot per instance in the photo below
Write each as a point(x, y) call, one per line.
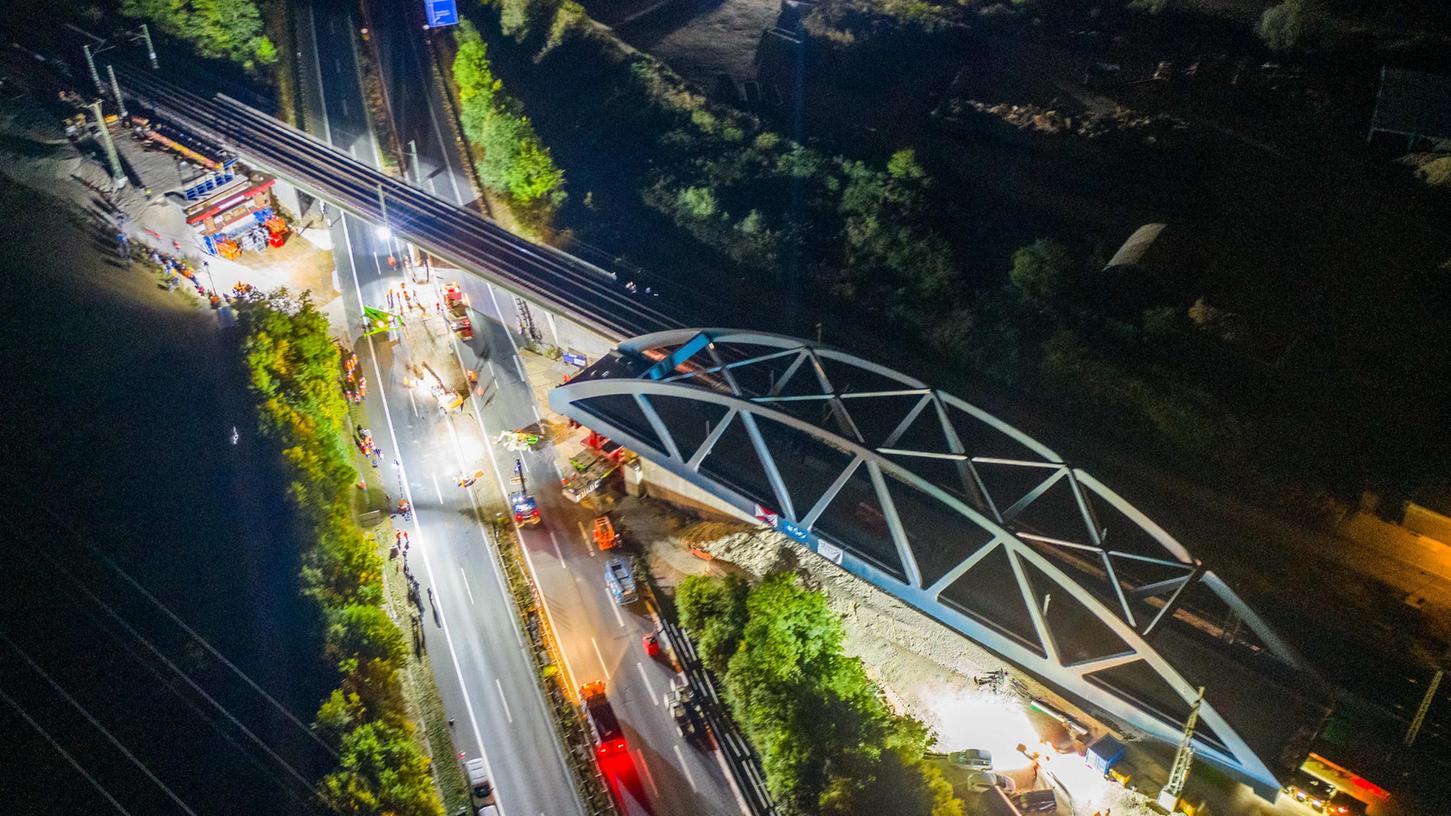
point(920, 493)
point(962, 516)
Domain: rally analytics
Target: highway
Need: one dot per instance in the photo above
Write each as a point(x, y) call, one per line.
point(484, 675)
point(483, 672)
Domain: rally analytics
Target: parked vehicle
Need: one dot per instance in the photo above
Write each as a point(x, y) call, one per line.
point(1037, 801)
point(620, 578)
point(685, 708)
point(975, 759)
point(609, 738)
point(980, 781)
point(479, 784)
point(604, 532)
point(526, 509)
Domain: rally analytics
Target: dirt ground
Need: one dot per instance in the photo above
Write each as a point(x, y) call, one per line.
point(925, 669)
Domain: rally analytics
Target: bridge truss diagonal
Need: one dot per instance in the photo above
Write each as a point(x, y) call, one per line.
point(945, 506)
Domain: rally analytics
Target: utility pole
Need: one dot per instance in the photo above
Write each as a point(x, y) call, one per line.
point(118, 176)
point(91, 66)
point(417, 171)
point(150, 49)
point(1183, 758)
point(116, 92)
point(1420, 718)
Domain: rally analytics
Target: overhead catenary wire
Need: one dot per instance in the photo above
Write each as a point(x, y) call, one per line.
point(166, 610)
point(66, 755)
point(111, 612)
point(98, 725)
point(161, 678)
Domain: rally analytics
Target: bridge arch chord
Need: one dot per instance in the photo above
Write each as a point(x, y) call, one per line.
point(930, 498)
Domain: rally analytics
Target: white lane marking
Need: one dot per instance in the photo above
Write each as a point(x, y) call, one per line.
point(649, 777)
point(466, 585)
point(535, 410)
point(557, 551)
point(648, 685)
point(435, 487)
point(417, 528)
point(492, 454)
point(519, 366)
point(601, 656)
point(500, 313)
point(503, 700)
point(337, 61)
point(413, 401)
point(557, 471)
point(615, 608)
point(685, 766)
point(344, 103)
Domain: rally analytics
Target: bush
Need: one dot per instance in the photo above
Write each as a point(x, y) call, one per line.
point(226, 29)
point(714, 610)
point(292, 367)
point(1042, 270)
point(514, 161)
point(828, 743)
point(381, 771)
point(1293, 24)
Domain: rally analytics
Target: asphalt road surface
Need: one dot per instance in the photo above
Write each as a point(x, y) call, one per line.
point(484, 675)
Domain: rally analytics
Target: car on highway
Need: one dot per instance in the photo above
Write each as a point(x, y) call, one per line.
point(604, 533)
point(975, 759)
point(620, 578)
point(526, 509)
point(479, 784)
point(981, 781)
point(1037, 801)
point(609, 738)
point(1310, 790)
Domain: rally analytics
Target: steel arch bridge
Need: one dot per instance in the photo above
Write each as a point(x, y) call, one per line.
point(955, 512)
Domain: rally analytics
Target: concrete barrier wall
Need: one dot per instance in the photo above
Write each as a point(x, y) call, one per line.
point(666, 486)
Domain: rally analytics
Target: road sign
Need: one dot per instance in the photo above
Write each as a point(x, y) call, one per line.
point(440, 12)
point(766, 517)
point(574, 358)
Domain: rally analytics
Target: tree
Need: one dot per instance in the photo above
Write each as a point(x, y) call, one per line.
point(1042, 270)
point(828, 742)
point(699, 203)
point(1293, 24)
point(359, 632)
point(381, 771)
point(714, 611)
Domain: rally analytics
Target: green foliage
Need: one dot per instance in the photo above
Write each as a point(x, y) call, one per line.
point(227, 29)
point(570, 20)
point(889, 250)
point(1293, 24)
point(828, 743)
point(381, 771)
point(292, 368)
point(1043, 270)
point(699, 202)
point(514, 161)
point(714, 610)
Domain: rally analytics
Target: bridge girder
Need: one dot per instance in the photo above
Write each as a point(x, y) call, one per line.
point(636, 397)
